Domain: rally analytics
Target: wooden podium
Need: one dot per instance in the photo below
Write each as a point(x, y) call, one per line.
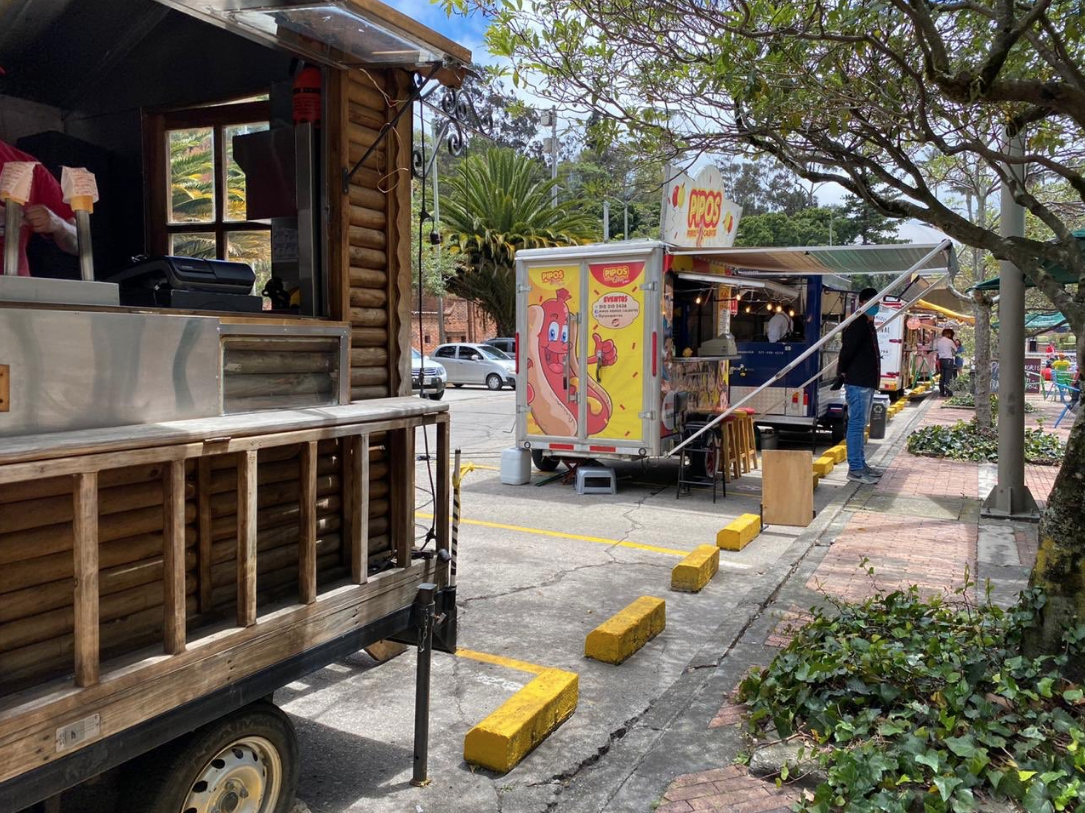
point(787, 488)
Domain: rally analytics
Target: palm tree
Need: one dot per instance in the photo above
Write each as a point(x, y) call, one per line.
point(501, 202)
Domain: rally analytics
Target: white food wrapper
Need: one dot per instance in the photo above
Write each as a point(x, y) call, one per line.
point(78, 183)
point(16, 179)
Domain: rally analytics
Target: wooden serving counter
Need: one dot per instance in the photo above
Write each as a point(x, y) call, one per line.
point(146, 569)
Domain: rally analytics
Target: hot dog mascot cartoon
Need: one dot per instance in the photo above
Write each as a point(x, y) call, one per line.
point(553, 373)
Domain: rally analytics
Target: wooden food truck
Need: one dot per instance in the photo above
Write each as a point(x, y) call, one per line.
point(207, 454)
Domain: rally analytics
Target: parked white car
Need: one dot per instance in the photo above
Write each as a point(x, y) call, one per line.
point(476, 364)
point(425, 370)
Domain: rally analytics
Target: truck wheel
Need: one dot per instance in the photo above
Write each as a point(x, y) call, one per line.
point(839, 428)
point(493, 381)
point(246, 762)
point(544, 462)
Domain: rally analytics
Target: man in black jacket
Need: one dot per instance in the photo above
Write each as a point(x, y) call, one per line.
point(860, 366)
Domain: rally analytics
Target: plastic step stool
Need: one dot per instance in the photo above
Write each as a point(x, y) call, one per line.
point(596, 481)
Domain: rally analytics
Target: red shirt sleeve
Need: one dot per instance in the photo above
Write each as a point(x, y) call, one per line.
point(45, 191)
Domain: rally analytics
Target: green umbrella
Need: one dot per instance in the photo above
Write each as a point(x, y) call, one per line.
point(1061, 275)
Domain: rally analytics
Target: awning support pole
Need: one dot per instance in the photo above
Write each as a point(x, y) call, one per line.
point(945, 245)
point(1011, 498)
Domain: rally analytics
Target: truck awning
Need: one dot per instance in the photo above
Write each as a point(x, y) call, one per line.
point(844, 260)
point(957, 317)
point(343, 33)
point(739, 282)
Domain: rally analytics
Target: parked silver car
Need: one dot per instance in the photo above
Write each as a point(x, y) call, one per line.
point(424, 369)
point(476, 364)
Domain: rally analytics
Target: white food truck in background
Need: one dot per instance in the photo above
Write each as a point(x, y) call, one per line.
point(891, 345)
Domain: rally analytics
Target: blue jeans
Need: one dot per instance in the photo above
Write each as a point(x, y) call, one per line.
point(860, 400)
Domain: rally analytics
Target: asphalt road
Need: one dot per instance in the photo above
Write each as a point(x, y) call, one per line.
point(539, 567)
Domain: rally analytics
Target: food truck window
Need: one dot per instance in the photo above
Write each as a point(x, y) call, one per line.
point(202, 193)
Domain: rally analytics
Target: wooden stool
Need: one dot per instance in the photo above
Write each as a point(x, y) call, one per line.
point(732, 448)
point(747, 439)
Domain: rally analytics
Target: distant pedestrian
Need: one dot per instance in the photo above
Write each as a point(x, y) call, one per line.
point(946, 349)
point(958, 359)
point(859, 367)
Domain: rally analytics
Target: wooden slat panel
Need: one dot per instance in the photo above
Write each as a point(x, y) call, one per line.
point(368, 257)
point(307, 539)
point(368, 376)
point(363, 92)
point(173, 557)
point(363, 194)
point(368, 217)
point(85, 551)
point(368, 357)
point(443, 506)
point(369, 317)
point(367, 238)
point(368, 393)
point(401, 448)
point(369, 337)
point(203, 564)
point(246, 539)
point(359, 521)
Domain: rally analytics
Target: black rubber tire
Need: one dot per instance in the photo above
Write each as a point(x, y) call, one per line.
point(436, 396)
point(895, 396)
point(839, 430)
point(494, 382)
point(457, 386)
point(544, 462)
point(160, 781)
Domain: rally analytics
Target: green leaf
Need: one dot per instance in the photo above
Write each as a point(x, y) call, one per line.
point(962, 746)
point(930, 759)
point(946, 785)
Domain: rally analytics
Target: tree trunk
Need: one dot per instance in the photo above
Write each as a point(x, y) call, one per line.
point(981, 375)
point(1060, 560)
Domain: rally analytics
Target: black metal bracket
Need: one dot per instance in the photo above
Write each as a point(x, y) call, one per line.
point(419, 85)
point(459, 115)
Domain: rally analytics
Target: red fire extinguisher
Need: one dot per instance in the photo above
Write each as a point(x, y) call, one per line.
point(307, 96)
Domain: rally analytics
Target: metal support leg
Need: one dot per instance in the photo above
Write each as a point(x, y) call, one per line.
point(425, 606)
point(13, 222)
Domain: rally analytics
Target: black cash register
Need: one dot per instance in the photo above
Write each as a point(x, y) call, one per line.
point(189, 283)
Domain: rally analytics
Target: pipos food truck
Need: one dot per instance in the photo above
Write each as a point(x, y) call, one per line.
point(623, 346)
point(207, 448)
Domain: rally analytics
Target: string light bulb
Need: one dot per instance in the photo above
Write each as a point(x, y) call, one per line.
point(747, 309)
point(698, 299)
point(791, 312)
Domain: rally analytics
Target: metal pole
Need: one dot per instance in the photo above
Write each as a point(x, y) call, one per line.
point(943, 246)
point(424, 606)
point(13, 222)
point(606, 221)
point(441, 334)
point(554, 153)
point(86, 251)
point(625, 203)
point(1011, 498)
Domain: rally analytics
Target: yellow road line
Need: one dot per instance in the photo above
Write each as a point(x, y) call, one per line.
point(581, 538)
point(499, 660)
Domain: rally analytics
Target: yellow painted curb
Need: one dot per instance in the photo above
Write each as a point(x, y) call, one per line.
point(817, 479)
point(839, 453)
point(627, 630)
point(523, 721)
point(739, 532)
point(824, 465)
point(696, 570)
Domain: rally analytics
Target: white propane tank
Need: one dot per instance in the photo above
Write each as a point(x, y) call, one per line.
point(515, 467)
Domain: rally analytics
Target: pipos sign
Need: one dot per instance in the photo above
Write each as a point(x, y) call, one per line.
point(697, 214)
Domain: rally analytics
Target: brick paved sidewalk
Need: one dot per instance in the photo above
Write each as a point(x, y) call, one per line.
point(919, 525)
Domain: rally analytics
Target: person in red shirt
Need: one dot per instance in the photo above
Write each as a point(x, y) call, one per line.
point(46, 212)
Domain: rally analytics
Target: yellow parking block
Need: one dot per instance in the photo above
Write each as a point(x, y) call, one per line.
point(824, 465)
point(817, 479)
point(523, 721)
point(739, 532)
point(839, 453)
point(627, 631)
point(696, 570)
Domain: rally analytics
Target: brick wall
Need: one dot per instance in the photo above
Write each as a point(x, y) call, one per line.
point(464, 322)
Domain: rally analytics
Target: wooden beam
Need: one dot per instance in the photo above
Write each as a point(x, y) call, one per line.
point(307, 538)
point(401, 452)
point(443, 497)
point(203, 560)
point(359, 507)
point(246, 538)
point(85, 527)
point(173, 557)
